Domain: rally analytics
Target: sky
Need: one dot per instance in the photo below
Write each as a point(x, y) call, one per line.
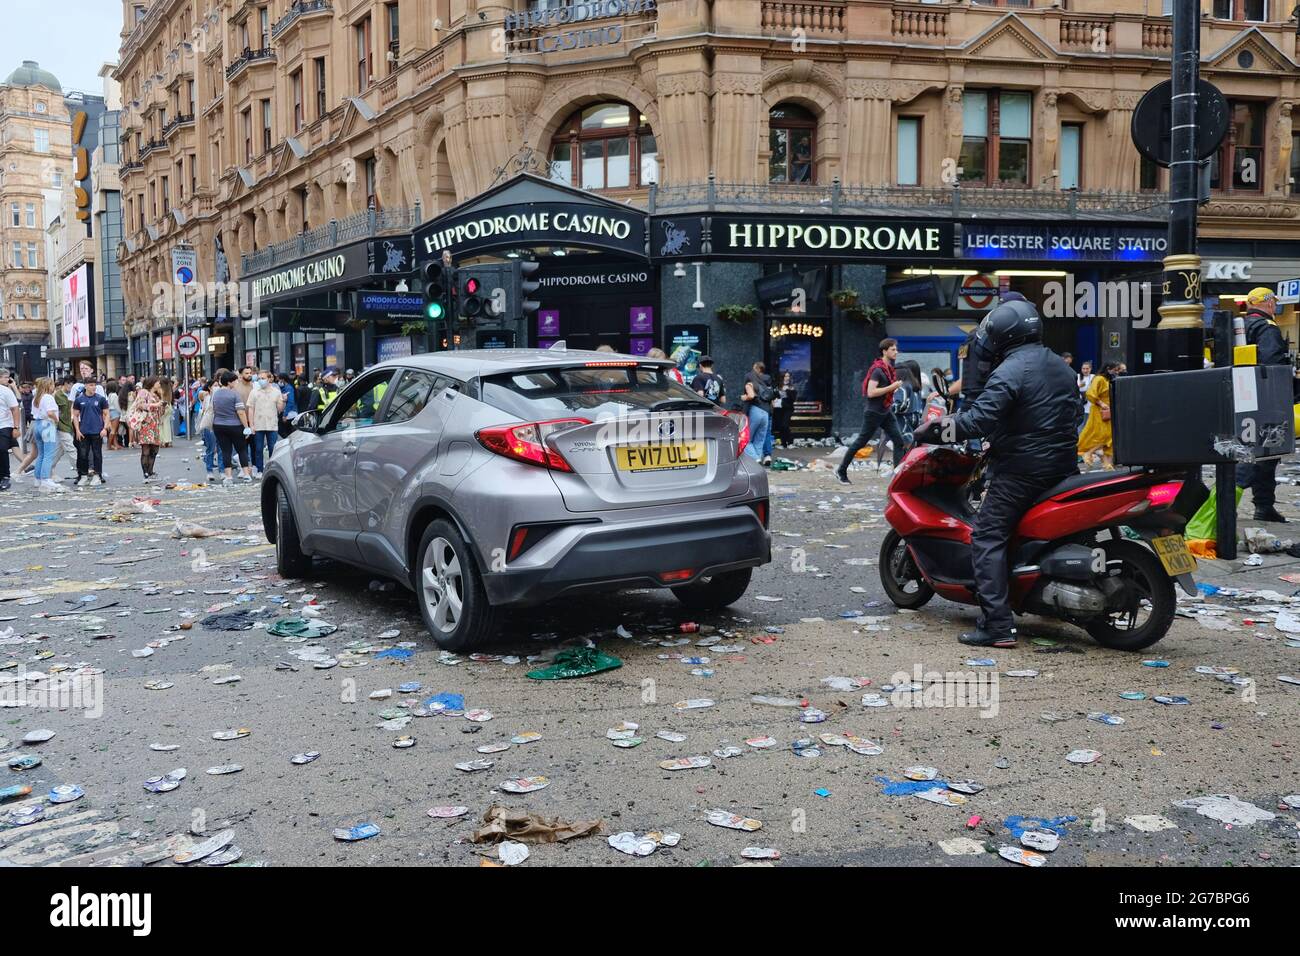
point(72, 44)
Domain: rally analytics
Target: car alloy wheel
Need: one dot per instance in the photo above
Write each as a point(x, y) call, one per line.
point(443, 585)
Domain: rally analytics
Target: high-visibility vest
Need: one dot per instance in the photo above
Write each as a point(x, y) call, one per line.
point(326, 396)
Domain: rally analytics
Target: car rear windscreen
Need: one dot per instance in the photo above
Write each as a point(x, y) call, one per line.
point(593, 393)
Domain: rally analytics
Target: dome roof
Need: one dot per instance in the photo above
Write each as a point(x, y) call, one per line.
point(31, 74)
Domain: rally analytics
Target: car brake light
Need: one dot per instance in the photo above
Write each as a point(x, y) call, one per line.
point(1163, 494)
point(683, 575)
point(609, 364)
point(528, 442)
point(760, 509)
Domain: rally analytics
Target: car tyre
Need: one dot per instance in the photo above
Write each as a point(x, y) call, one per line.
point(290, 560)
point(450, 590)
point(716, 592)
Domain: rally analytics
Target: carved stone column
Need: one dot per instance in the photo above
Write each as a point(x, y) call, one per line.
point(1122, 164)
point(1047, 144)
point(738, 122)
point(1282, 149)
point(868, 133)
point(683, 134)
point(463, 171)
point(492, 135)
point(954, 121)
point(408, 173)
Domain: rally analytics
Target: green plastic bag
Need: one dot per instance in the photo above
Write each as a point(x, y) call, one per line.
point(1204, 524)
point(576, 662)
point(300, 627)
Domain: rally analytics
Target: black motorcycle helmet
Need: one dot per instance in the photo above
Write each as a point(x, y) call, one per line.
point(1014, 322)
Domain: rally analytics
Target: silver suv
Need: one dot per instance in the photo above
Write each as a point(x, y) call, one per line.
point(490, 479)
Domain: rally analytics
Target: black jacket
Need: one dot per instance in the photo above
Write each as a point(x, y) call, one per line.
point(1029, 409)
point(1263, 333)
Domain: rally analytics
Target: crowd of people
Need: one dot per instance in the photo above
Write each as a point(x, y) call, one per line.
point(239, 417)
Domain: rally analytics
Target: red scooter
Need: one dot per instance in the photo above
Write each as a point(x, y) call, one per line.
point(1100, 550)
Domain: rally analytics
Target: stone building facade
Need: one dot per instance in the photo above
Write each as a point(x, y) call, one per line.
point(249, 126)
point(35, 176)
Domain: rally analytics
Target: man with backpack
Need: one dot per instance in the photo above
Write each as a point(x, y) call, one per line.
point(878, 389)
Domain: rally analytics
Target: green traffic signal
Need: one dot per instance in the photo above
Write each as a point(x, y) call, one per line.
point(434, 311)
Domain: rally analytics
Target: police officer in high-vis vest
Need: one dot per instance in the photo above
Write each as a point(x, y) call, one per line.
point(328, 390)
point(1270, 349)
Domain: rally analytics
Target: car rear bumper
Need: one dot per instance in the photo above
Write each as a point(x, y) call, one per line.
point(611, 557)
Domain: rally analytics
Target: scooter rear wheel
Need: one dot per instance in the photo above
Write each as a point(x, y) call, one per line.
point(899, 575)
point(1152, 601)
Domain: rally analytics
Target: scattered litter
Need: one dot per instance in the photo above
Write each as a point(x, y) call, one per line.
point(1083, 756)
point(523, 784)
point(362, 831)
point(520, 826)
point(1022, 856)
point(693, 704)
point(962, 846)
point(1226, 809)
point(576, 662)
point(1150, 823)
point(685, 763)
point(1044, 840)
point(723, 818)
point(633, 845)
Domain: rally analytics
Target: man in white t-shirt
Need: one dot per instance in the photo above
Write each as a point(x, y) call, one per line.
point(9, 415)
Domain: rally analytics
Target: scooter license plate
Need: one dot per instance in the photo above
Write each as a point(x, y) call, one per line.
point(1173, 554)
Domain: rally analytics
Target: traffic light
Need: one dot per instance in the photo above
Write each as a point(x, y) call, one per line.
point(469, 293)
point(436, 288)
point(522, 286)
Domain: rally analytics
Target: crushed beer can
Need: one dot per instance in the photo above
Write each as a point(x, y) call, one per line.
point(760, 853)
point(1022, 856)
point(525, 784)
point(685, 763)
point(447, 813)
point(209, 846)
point(303, 758)
point(225, 769)
point(362, 831)
point(469, 766)
point(724, 818)
point(1083, 756)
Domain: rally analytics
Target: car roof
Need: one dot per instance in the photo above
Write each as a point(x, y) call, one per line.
point(468, 363)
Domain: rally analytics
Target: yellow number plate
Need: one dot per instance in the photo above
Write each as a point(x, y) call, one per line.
point(1173, 554)
point(666, 457)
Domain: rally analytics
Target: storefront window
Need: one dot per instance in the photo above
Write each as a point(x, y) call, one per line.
point(614, 144)
point(1240, 161)
point(1071, 150)
point(792, 135)
point(909, 150)
point(996, 130)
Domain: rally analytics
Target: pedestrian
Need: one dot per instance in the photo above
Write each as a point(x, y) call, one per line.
point(130, 399)
point(167, 395)
point(1096, 434)
point(25, 396)
point(203, 423)
point(9, 407)
point(90, 418)
point(67, 430)
point(45, 432)
point(265, 403)
point(326, 392)
point(230, 423)
point(290, 410)
point(1068, 359)
point(758, 406)
point(709, 383)
point(878, 389)
point(783, 409)
point(146, 415)
point(111, 391)
point(662, 356)
point(1270, 349)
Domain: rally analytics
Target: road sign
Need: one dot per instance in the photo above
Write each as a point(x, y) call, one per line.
point(1150, 124)
point(978, 292)
point(187, 346)
point(185, 263)
point(1288, 292)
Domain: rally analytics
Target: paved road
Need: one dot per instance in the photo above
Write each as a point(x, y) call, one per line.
point(146, 582)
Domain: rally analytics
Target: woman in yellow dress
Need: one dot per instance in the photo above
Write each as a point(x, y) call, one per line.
point(1096, 434)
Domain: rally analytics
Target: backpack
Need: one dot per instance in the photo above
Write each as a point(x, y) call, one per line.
point(766, 393)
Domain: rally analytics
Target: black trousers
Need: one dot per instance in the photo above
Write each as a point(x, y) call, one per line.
point(7, 441)
point(1005, 503)
point(1261, 479)
point(871, 423)
point(90, 455)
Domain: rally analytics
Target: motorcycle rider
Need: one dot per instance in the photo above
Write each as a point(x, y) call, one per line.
point(1270, 349)
point(1028, 408)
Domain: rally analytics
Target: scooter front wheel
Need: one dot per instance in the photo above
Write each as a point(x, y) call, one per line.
point(899, 575)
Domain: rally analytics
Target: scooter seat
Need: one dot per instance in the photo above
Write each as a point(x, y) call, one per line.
point(1086, 480)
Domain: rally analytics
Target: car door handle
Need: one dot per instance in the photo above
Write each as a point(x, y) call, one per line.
point(349, 448)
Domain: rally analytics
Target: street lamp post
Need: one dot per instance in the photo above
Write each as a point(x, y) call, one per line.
point(1180, 336)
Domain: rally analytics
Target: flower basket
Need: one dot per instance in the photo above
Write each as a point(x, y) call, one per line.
point(845, 298)
point(737, 313)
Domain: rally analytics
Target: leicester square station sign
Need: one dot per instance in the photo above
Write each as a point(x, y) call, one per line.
point(576, 13)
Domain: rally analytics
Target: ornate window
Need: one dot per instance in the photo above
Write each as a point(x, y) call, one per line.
point(792, 140)
point(605, 146)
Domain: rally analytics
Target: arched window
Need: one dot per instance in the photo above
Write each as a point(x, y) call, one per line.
point(792, 139)
point(605, 146)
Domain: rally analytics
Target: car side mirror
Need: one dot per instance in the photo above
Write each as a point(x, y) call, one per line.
point(307, 422)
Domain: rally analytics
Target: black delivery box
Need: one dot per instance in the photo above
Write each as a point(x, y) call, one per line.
point(1210, 416)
